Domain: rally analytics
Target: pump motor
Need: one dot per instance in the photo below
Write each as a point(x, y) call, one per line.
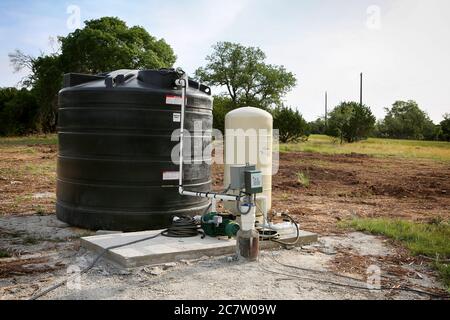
point(216, 225)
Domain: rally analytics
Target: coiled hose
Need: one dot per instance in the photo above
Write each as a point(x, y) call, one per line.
point(184, 227)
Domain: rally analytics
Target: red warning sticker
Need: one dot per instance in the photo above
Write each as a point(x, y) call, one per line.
point(174, 100)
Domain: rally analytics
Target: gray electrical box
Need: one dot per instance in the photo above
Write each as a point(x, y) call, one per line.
point(238, 176)
point(253, 182)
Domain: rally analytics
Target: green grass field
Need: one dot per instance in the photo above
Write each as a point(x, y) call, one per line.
point(433, 150)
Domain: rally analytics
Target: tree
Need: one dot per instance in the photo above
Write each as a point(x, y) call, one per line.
point(108, 44)
point(351, 122)
point(445, 128)
point(291, 125)
point(104, 45)
point(318, 126)
point(18, 111)
point(222, 105)
point(405, 120)
point(248, 79)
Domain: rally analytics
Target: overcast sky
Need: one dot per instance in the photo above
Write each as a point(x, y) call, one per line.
point(402, 46)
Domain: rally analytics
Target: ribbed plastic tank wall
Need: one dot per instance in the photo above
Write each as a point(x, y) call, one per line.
point(115, 168)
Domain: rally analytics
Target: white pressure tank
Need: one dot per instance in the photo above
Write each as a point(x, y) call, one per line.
point(249, 140)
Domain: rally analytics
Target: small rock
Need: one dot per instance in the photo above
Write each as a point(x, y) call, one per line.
point(124, 272)
point(44, 195)
point(229, 259)
point(155, 271)
point(57, 224)
point(328, 251)
point(169, 265)
point(186, 262)
point(105, 273)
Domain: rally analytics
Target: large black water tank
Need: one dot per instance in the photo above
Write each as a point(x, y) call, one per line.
point(115, 170)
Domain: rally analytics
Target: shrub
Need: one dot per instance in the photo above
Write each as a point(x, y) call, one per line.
point(291, 125)
point(351, 122)
point(18, 112)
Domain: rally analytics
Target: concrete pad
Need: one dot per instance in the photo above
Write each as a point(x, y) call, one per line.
point(164, 250)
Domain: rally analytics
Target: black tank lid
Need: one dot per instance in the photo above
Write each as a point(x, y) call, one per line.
point(162, 78)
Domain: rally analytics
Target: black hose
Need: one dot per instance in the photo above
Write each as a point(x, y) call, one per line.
point(92, 265)
point(184, 227)
point(286, 244)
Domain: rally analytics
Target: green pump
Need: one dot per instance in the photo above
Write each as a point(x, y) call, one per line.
point(216, 225)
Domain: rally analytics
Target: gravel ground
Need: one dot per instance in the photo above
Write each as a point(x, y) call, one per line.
point(56, 253)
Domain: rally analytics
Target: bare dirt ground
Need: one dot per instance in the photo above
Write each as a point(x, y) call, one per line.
point(341, 187)
point(346, 186)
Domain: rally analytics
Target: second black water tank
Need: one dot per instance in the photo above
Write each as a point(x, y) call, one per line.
point(115, 168)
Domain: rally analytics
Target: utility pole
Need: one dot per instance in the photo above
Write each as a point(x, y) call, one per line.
point(361, 91)
point(326, 109)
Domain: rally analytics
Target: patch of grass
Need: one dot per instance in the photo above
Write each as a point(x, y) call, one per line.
point(41, 169)
point(433, 150)
point(30, 241)
point(40, 211)
point(303, 179)
point(431, 240)
point(18, 200)
point(4, 254)
point(285, 197)
point(51, 139)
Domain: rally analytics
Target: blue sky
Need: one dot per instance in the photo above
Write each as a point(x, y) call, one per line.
point(401, 46)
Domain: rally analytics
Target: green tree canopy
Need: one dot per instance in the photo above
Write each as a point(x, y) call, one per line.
point(291, 125)
point(248, 79)
point(405, 120)
point(318, 126)
point(445, 128)
point(351, 122)
point(103, 45)
point(18, 112)
point(108, 44)
point(222, 105)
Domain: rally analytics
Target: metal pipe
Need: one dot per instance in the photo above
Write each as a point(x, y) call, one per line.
point(184, 83)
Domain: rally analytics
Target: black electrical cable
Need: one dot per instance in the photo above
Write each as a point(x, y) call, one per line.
point(182, 228)
point(286, 244)
point(92, 265)
point(313, 271)
point(275, 237)
point(358, 287)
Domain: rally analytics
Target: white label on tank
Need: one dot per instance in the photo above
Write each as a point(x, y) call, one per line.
point(177, 117)
point(174, 100)
point(171, 175)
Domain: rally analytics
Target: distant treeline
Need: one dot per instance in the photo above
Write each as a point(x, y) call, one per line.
point(404, 120)
point(22, 113)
